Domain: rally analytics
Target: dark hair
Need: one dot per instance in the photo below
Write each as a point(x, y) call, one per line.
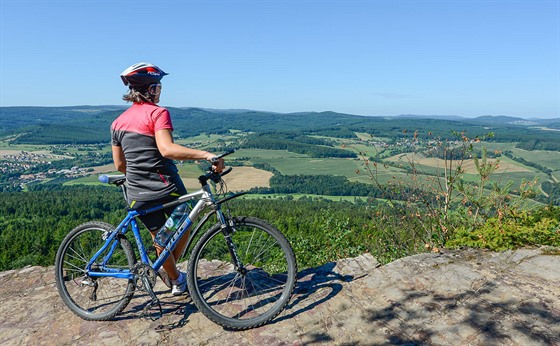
point(136, 96)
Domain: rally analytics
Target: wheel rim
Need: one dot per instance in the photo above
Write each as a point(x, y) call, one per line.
point(92, 296)
point(256, 290)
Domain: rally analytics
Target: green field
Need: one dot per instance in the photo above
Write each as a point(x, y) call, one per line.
point(205, 140)
point(5, 145)
point(546, 158)
point(289, 163)
point(312, 166)
point(299, 196)
point(495, 146)
point(265, 154)
point(188, 169)
point(363, 149)
point(549, 159)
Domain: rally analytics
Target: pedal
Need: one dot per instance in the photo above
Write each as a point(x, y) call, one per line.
point(148, 314)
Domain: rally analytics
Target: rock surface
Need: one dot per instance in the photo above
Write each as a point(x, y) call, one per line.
point(467, 297)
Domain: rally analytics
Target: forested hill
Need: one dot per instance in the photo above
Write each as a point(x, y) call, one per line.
point(90, 124)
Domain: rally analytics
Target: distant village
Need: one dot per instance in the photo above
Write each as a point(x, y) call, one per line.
point(25, 163)
point(67, 173)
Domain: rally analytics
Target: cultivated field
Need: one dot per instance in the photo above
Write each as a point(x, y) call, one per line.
point(108, 168)
point(245, 176)
point(468, 166)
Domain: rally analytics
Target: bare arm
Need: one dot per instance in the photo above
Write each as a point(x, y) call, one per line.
point(118, 158)
point(171, 150)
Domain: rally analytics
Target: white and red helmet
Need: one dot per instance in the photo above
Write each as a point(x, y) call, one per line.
point(141, 75)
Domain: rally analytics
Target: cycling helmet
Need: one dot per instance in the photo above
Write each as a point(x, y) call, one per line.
point(142, 75)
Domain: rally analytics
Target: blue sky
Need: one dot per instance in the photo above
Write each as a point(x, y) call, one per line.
point(379, 58)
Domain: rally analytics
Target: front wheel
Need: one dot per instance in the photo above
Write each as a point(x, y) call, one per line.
point(94, 298)
point(246, 285)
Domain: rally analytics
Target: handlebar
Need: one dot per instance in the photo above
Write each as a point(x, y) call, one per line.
point(216, 158)
point(215, 176)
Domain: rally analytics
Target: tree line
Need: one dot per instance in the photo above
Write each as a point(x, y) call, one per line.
point(327, 185)
point(74, 125)
point(551, 144)
point(295, 143)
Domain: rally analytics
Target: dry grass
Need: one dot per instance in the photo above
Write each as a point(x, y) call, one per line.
point(9, 152)
point(108, 168)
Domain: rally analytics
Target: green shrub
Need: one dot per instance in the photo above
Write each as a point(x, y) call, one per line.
point(514, 232)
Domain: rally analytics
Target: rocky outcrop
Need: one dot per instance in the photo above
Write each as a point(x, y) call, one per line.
point(467, 297)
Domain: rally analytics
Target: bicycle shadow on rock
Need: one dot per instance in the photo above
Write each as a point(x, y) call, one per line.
point(184, 308)
point(415, 318)
point(314, 287)
point(170, 305)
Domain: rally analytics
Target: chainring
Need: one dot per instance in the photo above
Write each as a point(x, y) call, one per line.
point(140, 271)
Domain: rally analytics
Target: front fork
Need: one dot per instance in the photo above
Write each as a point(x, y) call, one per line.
point(227, 230)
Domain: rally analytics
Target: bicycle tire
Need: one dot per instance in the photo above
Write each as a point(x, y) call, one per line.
point(260, 291)
point(93, 299)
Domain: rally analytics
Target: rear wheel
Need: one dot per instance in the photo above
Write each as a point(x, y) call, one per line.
point(249, 295)
point(93, 298)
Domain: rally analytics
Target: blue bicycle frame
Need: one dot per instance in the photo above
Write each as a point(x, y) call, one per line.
point(205, 198)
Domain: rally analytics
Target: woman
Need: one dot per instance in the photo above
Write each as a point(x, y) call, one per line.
point(143, 149)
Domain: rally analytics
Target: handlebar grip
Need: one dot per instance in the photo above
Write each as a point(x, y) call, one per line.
point(217, 157)
point(226, 171)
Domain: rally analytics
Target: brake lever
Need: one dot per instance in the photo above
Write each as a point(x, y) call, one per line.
point(216, 177)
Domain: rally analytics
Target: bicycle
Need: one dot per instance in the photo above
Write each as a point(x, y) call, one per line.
point(241, 272)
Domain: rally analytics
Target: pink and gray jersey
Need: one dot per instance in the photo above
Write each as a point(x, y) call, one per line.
point(149, 175)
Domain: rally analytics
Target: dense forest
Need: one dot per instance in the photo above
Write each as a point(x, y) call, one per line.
point(33, 224)
point(66, 125)
point(326, 185)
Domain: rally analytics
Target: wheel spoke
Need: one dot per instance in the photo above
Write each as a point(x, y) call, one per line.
point(93, 298)
point(243, 297)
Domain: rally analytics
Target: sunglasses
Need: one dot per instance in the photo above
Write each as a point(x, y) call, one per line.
point(154, 89)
